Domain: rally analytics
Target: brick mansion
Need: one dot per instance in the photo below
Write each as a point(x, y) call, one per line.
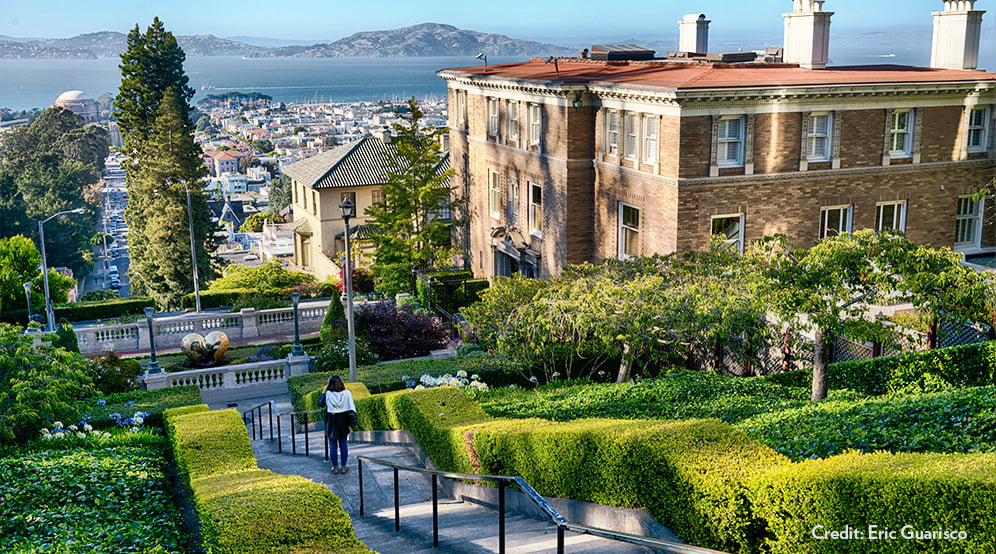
point(620, 152)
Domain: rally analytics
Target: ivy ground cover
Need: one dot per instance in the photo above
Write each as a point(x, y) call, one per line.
point(88, 498)
point(782, 417)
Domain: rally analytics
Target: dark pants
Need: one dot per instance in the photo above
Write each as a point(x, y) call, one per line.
point(342, 443)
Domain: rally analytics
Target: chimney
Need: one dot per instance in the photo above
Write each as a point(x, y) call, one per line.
point(383, 134)
point(693, 33)
point(957, 31)
point(807, 34)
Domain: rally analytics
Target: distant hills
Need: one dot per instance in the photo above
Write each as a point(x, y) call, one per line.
point(427, 39)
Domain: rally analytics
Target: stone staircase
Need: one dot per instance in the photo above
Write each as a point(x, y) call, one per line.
point(464, 527)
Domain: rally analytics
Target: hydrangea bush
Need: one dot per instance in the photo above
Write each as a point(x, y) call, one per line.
point(460, 380)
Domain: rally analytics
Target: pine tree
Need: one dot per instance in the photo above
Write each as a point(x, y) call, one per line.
point(154, 117)
point(160, 254)
point(414, 223)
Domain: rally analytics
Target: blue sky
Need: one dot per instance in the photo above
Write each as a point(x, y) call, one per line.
point(547, 20)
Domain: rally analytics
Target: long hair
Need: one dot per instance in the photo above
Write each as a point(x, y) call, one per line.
point(335, 384)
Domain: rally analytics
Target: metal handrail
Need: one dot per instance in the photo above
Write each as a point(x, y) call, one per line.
point(293, 428)
point(502, 480)
point(259, 409)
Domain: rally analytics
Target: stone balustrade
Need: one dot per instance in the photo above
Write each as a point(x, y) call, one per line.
point(247, 324)
point(231, 376)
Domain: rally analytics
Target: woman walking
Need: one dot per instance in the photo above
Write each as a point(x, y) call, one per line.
point(338, 405)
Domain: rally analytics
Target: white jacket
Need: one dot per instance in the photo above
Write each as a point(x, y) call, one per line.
point(337, 402)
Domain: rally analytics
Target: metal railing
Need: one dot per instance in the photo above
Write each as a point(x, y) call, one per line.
point(503, 481)
point(258, 410)
point(293, 430)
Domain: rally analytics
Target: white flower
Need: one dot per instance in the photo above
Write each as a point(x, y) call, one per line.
point(134, 429)
point(461, 374)
point(47, 436)
point(513, 387)
point(45, 431)
point(139, 420)
point(475, 377)
point(533, 379)
point(87, 427)
point(419, 387)
point(73, 428)
point(555, 375)
point(81, 435)
point(57, 424)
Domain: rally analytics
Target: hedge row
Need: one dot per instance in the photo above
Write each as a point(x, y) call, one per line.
point(970, 365)
point(309, 401)
point(86, 311)
point(708, 481)
point(387, 376)
point(244, 509)
point(152, 402)
point(217, 298)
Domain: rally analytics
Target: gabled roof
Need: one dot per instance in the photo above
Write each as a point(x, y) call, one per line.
point(356, 164)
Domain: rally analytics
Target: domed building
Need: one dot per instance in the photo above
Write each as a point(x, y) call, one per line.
point(79, 102)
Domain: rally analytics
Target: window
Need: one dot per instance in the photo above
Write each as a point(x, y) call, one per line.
point(377, 196)
point(494, 194)
point(967, 222)
point(629, 124)
point(461, 108)
point(818, 140)
point(492, 117)
point(835, 221)
point(629, 231)
point(513, 120)
point(535, 209)
point(611, 133)
point(513, 200)
point(901, 134)
point(535, 124)
point(350, 195)
point(730, 228)
point(890, 216)
point(730, 142)
point(978, 127)
point(650, 139)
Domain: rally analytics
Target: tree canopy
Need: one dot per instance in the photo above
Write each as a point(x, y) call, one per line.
point(413, 224)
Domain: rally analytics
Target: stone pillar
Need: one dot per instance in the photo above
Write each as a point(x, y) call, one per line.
point(154, 381)
point(249, 327)
point(143, 335)
point(299, 365)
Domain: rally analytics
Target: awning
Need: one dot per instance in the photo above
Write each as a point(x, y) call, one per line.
point(303, 228)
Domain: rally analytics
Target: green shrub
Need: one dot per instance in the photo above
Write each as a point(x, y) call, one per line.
point(259, 511)
point(928, 492)
point(216, 298)
point(112, 374)
point(334, 316)
point(970, 365)
point(106, 309)
point(210, 443)
point(948, 421)
point(152, 402)
point(493, 370)
point(113, 498)
point(310, 400)
point(334, 355)
point(65, 337)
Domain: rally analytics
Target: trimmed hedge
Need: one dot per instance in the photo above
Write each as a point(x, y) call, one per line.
point(152, 402)
point(260, 511)
point(104, 309)
point(309, 401)
point(210, 443)
point(970, 365)
point(709, 482)
point(928, 492)
point(216, 298)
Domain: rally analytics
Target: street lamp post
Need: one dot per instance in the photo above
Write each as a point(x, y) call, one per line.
point(154, 362)
point(348, 211)
point(297, 350)
point(27, 293)
point(49, 313)
point(193, 250)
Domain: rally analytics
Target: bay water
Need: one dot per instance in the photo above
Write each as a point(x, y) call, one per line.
point(27, 84)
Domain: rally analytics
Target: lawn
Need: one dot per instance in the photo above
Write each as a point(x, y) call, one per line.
point(782, 417)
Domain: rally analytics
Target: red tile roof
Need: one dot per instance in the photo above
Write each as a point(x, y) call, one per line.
point(691, 76)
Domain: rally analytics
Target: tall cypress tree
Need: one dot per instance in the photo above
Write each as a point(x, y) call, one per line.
point(154, 117)
point(162, 266)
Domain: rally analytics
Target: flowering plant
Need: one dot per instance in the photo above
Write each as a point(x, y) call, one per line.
point(459, 381)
